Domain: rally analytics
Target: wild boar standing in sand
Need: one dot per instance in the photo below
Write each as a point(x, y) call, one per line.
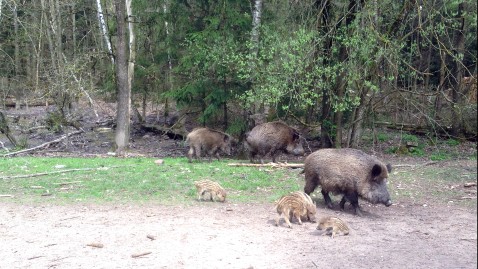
point(349, 172)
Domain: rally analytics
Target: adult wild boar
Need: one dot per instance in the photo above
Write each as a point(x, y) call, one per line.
point(349, 172)
point(272, 137)
point(209, 141)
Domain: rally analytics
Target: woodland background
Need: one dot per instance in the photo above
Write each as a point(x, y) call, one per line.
point(334, 67)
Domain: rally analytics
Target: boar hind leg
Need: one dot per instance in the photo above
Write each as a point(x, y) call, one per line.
point(197, 152)
point(327, 199)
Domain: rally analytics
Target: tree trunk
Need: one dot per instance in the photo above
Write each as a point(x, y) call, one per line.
point(124, 92)
point(102, 24)
point(457, 126)
point(6, 130)
point(326, 116)
point(168, 102)
point(358, 117)
point(256, 24)
point(17, 88)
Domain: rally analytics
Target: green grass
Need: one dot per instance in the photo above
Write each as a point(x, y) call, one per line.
point(138, 179)
point(432, 185)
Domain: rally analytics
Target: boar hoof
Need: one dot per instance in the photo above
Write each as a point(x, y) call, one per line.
point(358, 212)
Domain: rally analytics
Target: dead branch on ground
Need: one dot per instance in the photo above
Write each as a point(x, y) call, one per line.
point(44, 145)
point(141, 254)
point(286, 165)
point(58, 172)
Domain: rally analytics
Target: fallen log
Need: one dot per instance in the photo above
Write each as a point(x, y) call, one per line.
point(44, 145)
point(284, 165)
point(441, 131)
point(177, 134)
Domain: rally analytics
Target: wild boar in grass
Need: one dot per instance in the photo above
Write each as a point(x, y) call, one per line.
point(271, 138)
point(208, 141)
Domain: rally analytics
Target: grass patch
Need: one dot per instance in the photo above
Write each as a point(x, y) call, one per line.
point(437, 184)
point(138, 179)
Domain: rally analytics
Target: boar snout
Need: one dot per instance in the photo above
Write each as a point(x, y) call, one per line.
point(297, 149)
point(388, 203)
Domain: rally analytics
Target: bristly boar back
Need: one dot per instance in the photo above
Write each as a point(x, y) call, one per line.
point(271, 138)
point(349, 172)
point(210, 141)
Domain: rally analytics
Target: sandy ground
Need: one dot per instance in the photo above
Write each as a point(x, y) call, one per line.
point(216, 235)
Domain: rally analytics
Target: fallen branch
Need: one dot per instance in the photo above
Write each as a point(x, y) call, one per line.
point(95, 245)
point(141, 254)
point(152, 237)
point(469, 184)
point(35, 257)
point(45, 144)
point(66, 183)
point(177, 134)
point(289, 165)
point(58, 172)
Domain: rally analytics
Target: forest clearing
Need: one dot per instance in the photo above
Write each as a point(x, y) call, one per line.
point(98, 98)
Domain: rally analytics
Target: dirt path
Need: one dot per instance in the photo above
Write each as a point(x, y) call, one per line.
point(209, 235)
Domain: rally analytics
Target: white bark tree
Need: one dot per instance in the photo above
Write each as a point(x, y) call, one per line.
point(132, 44)
point(102, 24)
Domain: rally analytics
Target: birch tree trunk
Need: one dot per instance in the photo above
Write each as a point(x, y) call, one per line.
point(170, 64)
point(124, 92)
point(102, 24)
point(256, 23)
point(1, 3)
point(132, 44)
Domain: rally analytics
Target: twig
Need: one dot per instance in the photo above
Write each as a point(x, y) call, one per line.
point(66, 183)
point(58, 172)
point(35, 257)
point(141, 254)
point(95, 245)
point(291, 165)
point(44, 144)
point(6, 195)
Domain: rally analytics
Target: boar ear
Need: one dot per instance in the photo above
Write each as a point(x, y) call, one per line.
point(376, 170)
point(295, 135)
point(389, 167)
point(226, 138)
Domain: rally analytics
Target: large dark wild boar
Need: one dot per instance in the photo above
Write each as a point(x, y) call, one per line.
point(272, 137)
point(209, 141)
point(349, 172)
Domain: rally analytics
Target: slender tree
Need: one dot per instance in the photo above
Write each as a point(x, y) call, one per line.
point(122, 134)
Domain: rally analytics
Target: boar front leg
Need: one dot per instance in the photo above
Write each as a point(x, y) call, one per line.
point(353, 199)
point(191, 153)
point(327, 199)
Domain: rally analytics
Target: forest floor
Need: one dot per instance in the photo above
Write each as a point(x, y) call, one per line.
point(426, 233)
